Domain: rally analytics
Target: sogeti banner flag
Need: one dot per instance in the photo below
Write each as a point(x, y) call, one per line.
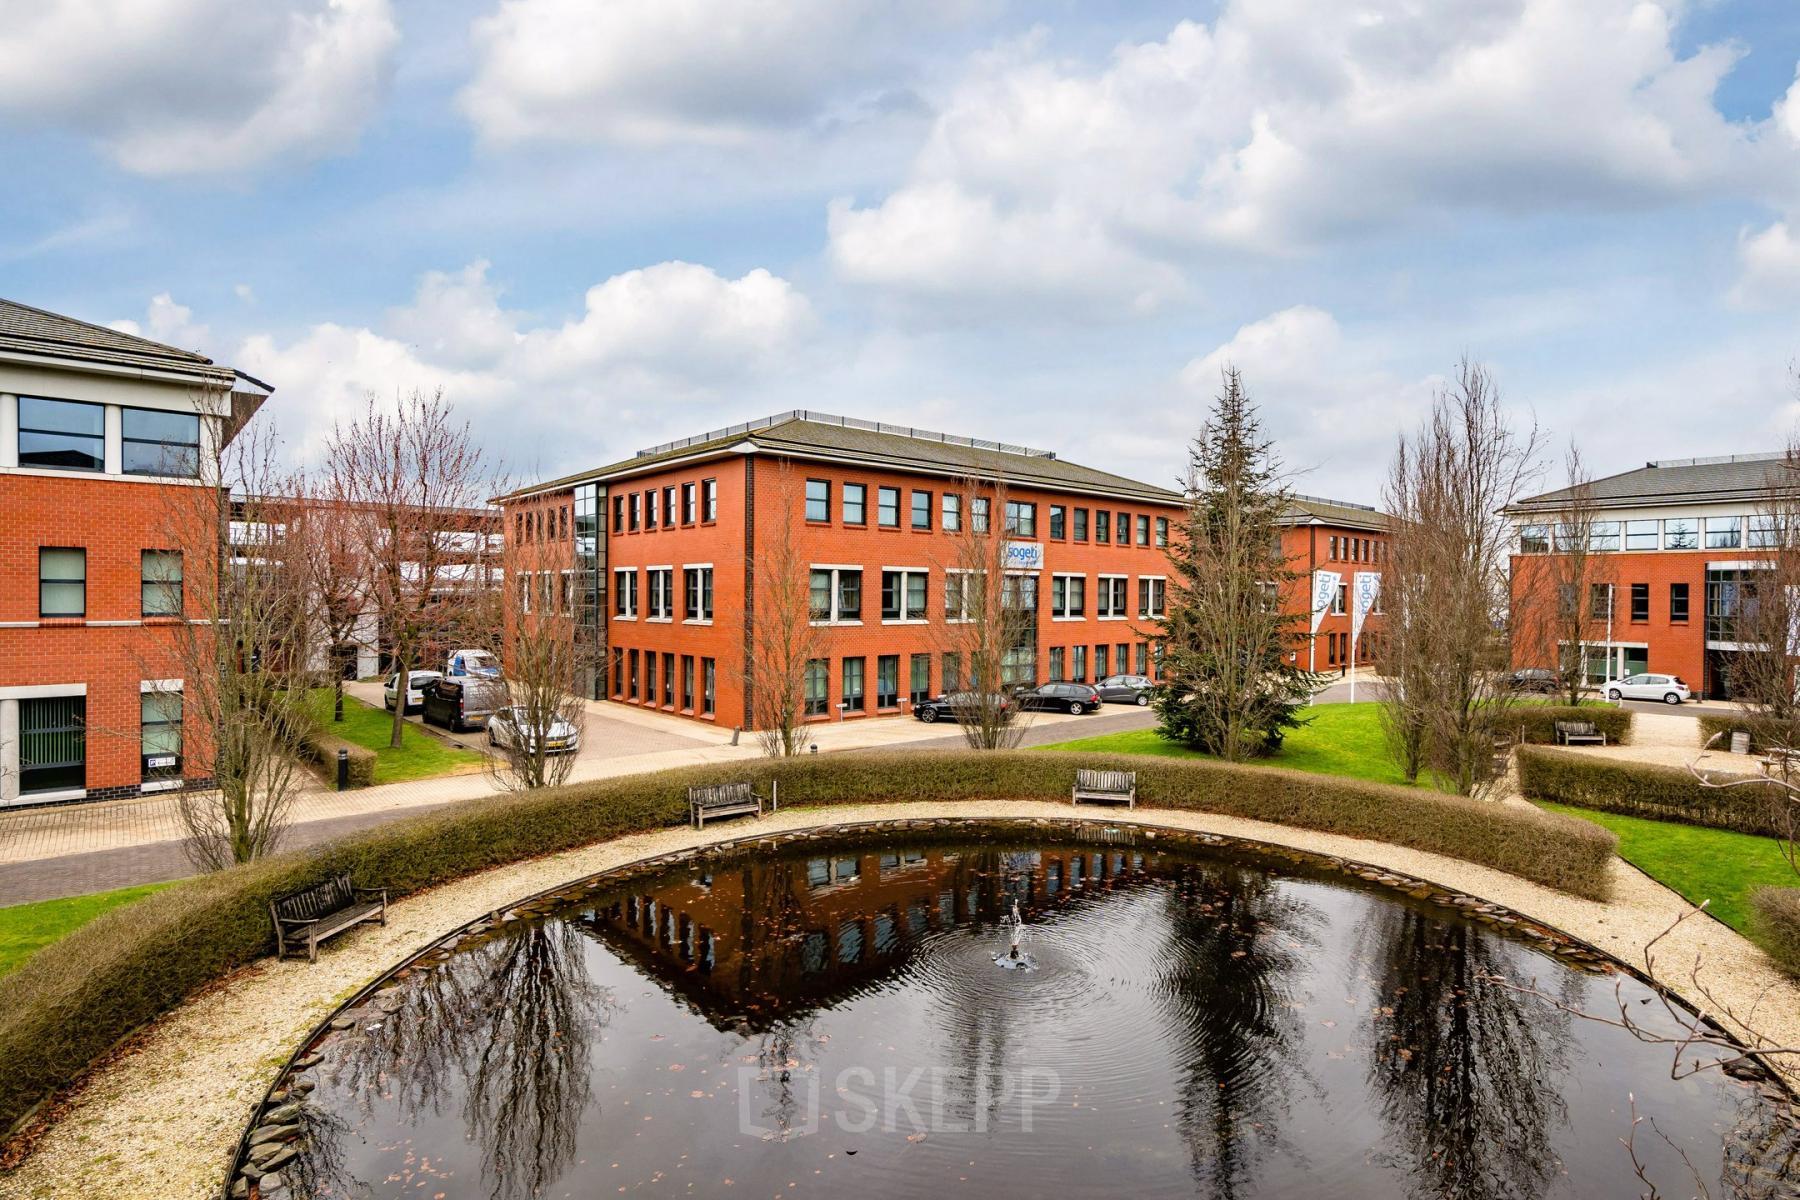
point(1367, 589)
point(1325, 586)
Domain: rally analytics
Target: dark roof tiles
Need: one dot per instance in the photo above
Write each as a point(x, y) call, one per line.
point(32, 331)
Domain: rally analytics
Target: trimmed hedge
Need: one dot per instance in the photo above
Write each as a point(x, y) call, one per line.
point(69, 1003)
point(1775, 919)
point(1642, 790)
point(320, 748)
point(1763, 733)
point(1535, 724)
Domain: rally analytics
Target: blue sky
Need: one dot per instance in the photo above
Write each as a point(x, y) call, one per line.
point(600, 226)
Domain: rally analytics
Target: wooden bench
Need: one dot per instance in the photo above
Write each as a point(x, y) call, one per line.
point(728, 800)
point(307, 917)
point(1579, 733)
point(1109, 786)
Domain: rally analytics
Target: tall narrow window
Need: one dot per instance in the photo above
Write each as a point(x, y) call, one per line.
point(161, 735)
point(818, 685)
point(62, 582)
point(921, 678)
point(161, 585)
point(697, 586)
point(670, 515)
point(1078, 664)
point(1102, 664)
point(1102, 525)
point(818, 500)
point(689, 507)
point(952, 509)
point(155, 442)
point(887, 507)
point(1056, 664)
point(709, 499)
point(668, 680)
point(709, 678)
point(856, 504)
point(649, 509)
point(1678, 603)
point(1143, 531)
point(1058, 522)
point(1162, 537)
point(921, 510)
point(1081, 524)
point(62, 435)
point(953, 679)
point(978, 514)
point(887, 681)
point(1640, 602)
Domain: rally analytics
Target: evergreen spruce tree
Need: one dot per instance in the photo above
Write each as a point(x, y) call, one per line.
point(1228, 685)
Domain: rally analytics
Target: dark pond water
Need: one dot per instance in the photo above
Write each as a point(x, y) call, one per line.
point(831, 1020)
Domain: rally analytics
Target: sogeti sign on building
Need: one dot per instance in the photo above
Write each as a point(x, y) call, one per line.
point(1024, 556)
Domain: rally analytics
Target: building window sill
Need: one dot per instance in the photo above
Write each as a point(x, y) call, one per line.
point(1082, 617)
point(659, 620)
point(697, 621)
point(837, 624)
point(904, 621)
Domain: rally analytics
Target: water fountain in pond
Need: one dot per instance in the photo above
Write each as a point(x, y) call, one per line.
point(1013, 959)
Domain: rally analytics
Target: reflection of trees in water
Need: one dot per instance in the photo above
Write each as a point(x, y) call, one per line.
point(1762, 1152)
point(504, 1032)
point(1465, 1075)
point(1235, 942)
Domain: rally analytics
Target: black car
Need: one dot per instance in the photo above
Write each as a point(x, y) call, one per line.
point(1126, 689)
point(957, 706)
point(1072, 698)
point(1534, 679)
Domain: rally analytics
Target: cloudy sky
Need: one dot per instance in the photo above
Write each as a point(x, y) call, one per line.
point(598, 225)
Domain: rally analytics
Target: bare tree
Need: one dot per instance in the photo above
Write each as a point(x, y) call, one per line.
point(543, 660)
point(1229, 683)
point(1447, 577)
point(988, 635)
point(1563, 587)
point(1767, 617)
point(239, 647)
point(785, 637)
point(417, 475)
point(325, 535)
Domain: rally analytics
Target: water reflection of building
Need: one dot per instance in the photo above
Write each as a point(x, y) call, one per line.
point(756, 937)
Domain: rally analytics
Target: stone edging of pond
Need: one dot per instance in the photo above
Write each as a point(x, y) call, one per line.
point(272, 1137)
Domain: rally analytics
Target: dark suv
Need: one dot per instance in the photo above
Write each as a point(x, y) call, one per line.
point(958, 706)
point(1072, 698)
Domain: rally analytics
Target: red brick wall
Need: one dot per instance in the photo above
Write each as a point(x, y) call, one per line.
point(1309, 548)
point(114, 521)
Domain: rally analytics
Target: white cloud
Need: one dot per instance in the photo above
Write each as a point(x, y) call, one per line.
point(702, 71)
point(1287, 123)
point(190, 87)
point(171, 324)
point(1769, 262)
point(667, 341)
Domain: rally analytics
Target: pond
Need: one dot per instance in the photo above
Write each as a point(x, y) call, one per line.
point(862, 1016)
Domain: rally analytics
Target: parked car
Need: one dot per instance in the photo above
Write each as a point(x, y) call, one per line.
point(508, 727)
point(1535, 679)
point(459, 663)
point(956, 706)
point(1667, 688)
point(416, 682)
point(466, 703)
point(1072, 698)
point(1126, 689)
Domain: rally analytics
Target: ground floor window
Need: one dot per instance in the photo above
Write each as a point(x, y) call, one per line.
point(633, 692)
point(1102, 668)
point(668, 688)
point(708, 679)
point(818, 687)
point(161, 735)
point(953, 680)
point(853, 684)
point(687, 681)
point(921, 678)
point(52, 744)
point(887, 681)
point(1078, 664)
point(1056, 664)
point(1143, 658)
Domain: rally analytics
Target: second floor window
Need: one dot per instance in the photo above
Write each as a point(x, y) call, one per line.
point(1110, 602)
point(698, 583)
point(1640, 602)
point(978, 514)
point(887, 506)
point(903, 595)
point(62, 582)
point(1152, 596)
point(155, 442)
point(162, 583)
point(1143, 531)
point(1058, 524)
point(1068, 596)
point(856, 504)
point(625, 593)
point(63, 435)
point(1102, 526)
point(709, 499)
point(921, 510)
point(661, 588)
point(836, 594)
point(818, 500)
point(1081, 524)
point(689, 511)
point(1162, 536)
point(952, 507)
point(1600, 601)
point(1021, 518)
point(1724, 533)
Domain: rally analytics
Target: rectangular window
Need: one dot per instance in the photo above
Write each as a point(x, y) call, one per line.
point(690, 508)
point(1534, 539)
point(818, 685)
point(1681, 533)
point(618, 672)
point(952, 509)
point(1143, 531)
point(1765, 532)
point(1102, 526)
point(1600, 601)
point(1078, 664)
point(52, 744)
point(650, 508)
point(1081, 524)
point(856, 504)
point(1056, 664)
point(618, 521)
point(836, 594)
point(625, 593)
point(1332, 556)
point(1162, 537)
point(160, 721)
point(62, 435)
point(1109, 600)
point(887, 507)
point(887, 681)
point(818, 500)
point(1724, 533)
point(921, 678)
point(1068, 596)
point(978, 514)
point(1143, 658)
point(709, 499)
point(903, 595)
point(661, 588)
point(161, 586)
point(637, 509)
point(709, 679)
point(670, 513)
point(668, 676)
point(921, 510)
point(1152, 596)
point(1102, 662)
point(1640, 535)
point(1640, 602)
point(697, 583)
point(631, 693)
point(1603, 536)
point(1678, 603)
point(1122, 530)
point(953, 679)
point(155, 442)
point(1058, 522)
point(62, 581)
point(1021, 518)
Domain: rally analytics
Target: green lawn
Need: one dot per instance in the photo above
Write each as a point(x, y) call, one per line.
point(25, 928)
point(420, 755)
point(1337, 739)
point(1699, 863)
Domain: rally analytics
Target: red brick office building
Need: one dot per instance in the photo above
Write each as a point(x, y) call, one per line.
point(1344, 539)
point(97, 431)
point(660, 558)
point(1677, 547)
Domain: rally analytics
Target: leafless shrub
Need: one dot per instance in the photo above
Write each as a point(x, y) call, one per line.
point(988, 636)
point(1562, 598)
point(785, 636)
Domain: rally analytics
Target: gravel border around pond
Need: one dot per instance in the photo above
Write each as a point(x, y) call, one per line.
point(163, 1119)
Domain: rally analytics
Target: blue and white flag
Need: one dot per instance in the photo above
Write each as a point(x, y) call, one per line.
point(1368, 590)
point(1325, 587)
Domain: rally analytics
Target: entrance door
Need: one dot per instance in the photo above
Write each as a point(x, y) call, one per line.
point(1718, 674)
point(52, 744)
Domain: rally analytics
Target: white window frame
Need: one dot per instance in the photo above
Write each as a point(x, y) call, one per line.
point(905, 574)
point(706, 585)
point(1103, 594)
point(667, 614)
point(1062, 613)
point(629, 594)
point(1158, 595)
point(836, 569)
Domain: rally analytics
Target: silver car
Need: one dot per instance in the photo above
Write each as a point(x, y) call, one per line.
point(1126, 689)
point(1667, 688)
point(508, 728)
